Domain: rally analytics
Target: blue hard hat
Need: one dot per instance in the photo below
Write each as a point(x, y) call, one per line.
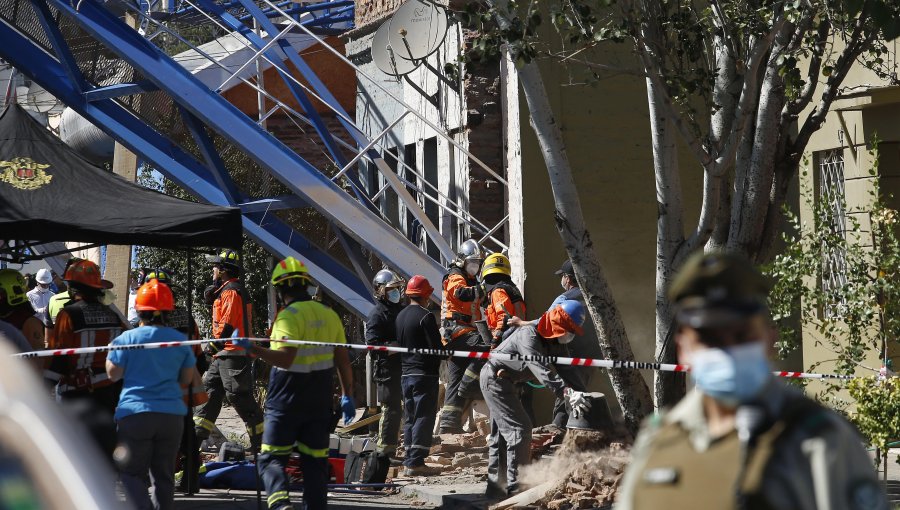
point(574, 309)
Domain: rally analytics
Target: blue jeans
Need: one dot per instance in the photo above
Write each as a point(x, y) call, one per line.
point(420, 394)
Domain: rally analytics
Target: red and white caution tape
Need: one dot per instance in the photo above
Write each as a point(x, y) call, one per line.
point(556, 360)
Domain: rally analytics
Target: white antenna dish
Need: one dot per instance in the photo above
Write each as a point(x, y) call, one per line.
point(40, 100)
point(384, 56)
point(418, 29)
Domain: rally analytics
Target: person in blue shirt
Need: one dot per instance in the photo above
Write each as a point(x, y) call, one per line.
point(150, 414)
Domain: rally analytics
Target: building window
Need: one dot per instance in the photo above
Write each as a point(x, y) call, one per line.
point(833, 201)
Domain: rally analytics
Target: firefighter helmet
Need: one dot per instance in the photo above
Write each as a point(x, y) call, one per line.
point(290, 271)
point(12, 283)
point(154, 296)
point(384, 280)
point(496, 263)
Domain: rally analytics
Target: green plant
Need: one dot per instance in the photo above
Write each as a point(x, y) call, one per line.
point(836, 280)
point(877, 411)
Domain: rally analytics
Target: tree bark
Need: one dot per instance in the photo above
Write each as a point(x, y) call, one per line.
point(630, 388)
point(668, 387)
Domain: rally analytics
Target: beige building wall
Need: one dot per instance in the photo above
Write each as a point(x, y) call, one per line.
point(607, 132)
point(867, 109)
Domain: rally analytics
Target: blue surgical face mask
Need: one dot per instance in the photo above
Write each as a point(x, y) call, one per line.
point(393, 295)
point(732, 375)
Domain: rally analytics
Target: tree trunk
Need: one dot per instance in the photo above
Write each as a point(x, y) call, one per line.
point(630, 388)
point(668, 387)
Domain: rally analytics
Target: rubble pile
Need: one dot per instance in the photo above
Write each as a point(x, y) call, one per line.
point(458, 452)
point(593, 481)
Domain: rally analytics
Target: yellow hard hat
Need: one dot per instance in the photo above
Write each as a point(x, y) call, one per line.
point(12, 283)
point(496, 263)
point(289, 269)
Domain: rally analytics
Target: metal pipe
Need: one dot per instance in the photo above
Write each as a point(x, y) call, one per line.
point(254, 58)
point(369, 146)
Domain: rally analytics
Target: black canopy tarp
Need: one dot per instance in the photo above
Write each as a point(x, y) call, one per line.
point(48, 192)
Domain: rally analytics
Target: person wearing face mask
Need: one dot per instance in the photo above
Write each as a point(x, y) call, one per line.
point(382, 330)
point(40, 295)
point(230, 371)
point(460, 308)
point(503, 303)
point(509, 441)
point(741, 439)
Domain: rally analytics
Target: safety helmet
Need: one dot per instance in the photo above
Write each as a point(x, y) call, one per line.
point(44, 276)
point(86, 273)
point(154, 296)
point(385, 279)
point(12, 283)
point(567, 316)
point(496, 263)
point(470, 250)
point(290, 271)
point(418, 286)
point(163, 275)
point(229, 259)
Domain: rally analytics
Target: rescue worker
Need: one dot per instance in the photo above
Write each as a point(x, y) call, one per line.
point(503, 302)
point(583, 346)
point(509, 442)
point(193, 393)
point(150, 414)
point(460, 308)
point(417, 329)
point(15, 308)
point(230, 371)
point(40, 295)
point(381, 330)
point(741, 439)
point(85, 322)
point(301, 388)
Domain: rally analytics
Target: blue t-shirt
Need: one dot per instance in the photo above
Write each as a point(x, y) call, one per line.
point(150, 382)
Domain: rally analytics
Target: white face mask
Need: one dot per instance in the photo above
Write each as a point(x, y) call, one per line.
point(107, 297)
point(393, 295)
point(312, 290)
point(568, 337)
point(472, 268)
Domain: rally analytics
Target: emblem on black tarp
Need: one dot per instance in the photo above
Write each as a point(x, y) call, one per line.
point(24, 173)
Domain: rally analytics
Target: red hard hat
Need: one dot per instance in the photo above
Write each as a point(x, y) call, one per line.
point(418, 286)
point(154, 296)
point(86, 273)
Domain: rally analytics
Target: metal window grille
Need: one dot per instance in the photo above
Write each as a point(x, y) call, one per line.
point(834, 259)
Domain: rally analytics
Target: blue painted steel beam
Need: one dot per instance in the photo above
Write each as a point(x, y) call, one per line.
point(119, 90)
point(180, 167)
point(273, 204)
point(211, 156)
point(298, 92)
point(296, 173)
point(63, 54)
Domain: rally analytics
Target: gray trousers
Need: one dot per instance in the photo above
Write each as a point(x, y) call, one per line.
point(152, 440)
point(509, 442)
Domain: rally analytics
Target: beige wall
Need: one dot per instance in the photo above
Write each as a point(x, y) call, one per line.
point(607, 133)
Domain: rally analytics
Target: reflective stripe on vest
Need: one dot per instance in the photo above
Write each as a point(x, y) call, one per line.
point(311, 358)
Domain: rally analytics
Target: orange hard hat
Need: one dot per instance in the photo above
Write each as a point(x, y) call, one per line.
point(154, 296)
point(418, 286)
point(86, 273)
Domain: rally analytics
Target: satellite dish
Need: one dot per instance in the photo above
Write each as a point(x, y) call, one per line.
point(40, 100)
point(385, 57)
point(418, 29)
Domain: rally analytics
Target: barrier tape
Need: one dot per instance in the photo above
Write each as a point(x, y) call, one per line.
point(556, 360)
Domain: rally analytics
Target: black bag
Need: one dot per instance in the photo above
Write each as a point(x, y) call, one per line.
point(366, 467)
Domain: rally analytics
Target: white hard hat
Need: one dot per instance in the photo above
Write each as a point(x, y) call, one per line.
point(44, 276)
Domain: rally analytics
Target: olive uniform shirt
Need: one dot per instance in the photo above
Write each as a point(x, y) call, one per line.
point(816, 462)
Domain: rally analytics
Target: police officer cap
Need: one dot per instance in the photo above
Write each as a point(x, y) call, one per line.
point(717, 289)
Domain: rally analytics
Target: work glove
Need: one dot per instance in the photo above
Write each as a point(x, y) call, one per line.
point(348, 407)
point(243, 343)
point(577, 401)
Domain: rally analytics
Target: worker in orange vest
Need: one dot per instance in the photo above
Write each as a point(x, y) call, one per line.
point(503, 301)
point(460, 308)
point(230, 371)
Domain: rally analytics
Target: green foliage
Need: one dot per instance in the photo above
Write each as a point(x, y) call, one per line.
point(877, 411)
point(852, 316)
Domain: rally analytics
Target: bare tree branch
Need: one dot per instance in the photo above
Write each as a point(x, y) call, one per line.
point(812, 80)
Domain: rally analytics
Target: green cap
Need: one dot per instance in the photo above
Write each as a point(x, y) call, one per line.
point(717, 289)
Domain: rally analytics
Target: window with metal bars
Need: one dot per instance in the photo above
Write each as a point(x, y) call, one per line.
point(832, 200)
